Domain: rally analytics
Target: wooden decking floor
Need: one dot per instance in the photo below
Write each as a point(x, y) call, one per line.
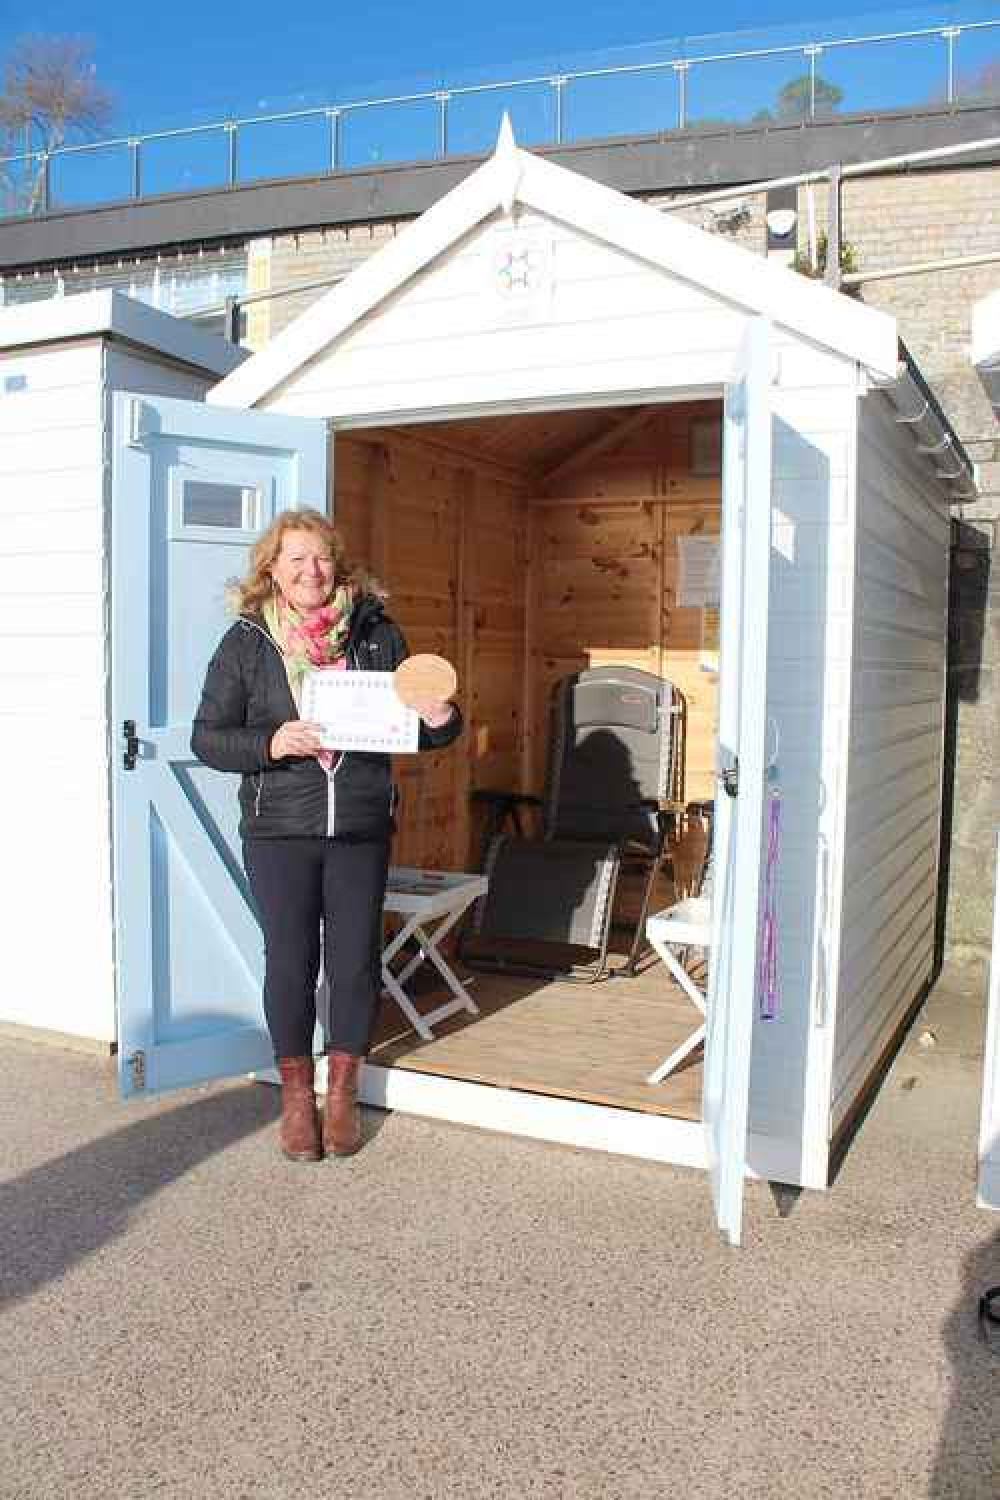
point(593, 1042)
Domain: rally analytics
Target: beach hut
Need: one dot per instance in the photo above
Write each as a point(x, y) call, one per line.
point(569, 429)
point(61, 362)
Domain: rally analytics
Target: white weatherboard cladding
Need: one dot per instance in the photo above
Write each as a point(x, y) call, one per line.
point(599, 325)
point(54, 568)
point(893, 809)
point(516, 185)
point(128, 371)
point(809, 652)
point(52, 655)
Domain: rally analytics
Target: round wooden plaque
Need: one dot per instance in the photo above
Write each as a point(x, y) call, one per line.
point(425, 679)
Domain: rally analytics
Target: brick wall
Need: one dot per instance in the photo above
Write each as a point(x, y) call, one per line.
point(889, 221)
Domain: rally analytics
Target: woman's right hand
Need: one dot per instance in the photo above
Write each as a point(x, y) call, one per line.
point(296, 737)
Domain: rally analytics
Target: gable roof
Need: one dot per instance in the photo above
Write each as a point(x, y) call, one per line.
point(510, 176)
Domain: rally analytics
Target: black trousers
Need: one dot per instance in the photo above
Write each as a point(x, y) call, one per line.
point(297, 883)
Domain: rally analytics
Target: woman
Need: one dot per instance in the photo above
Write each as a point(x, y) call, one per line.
point(315, 824)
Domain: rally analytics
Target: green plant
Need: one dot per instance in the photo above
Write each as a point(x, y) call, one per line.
point(802, 260)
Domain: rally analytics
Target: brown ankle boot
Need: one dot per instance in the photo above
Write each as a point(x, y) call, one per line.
point(299, 1131)
point(342, 1117)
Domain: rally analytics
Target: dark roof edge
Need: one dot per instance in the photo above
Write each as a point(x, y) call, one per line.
point(956, 445)
point(668, 162)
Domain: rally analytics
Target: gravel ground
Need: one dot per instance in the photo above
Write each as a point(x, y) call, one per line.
point(454, 1313)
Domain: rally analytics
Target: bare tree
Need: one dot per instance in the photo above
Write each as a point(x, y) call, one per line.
point(49, 95)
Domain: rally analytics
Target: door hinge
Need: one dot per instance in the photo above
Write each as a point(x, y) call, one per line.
point(131, 753)
point(137, 1067)
point(730, 778)
point(140, 422)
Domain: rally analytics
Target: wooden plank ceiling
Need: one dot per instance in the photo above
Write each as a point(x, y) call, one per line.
point(535, 443)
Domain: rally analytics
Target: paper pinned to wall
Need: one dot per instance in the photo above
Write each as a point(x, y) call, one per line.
point(709, 656)
point(697, 571)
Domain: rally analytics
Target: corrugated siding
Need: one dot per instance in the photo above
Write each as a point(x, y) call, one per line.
point(809, 644)
point(594, 320)
point(53, 748)
point(896, 735)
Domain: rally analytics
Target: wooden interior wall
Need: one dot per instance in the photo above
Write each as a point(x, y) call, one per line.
point(522, 570)
point(444, 532)
point(605, 529)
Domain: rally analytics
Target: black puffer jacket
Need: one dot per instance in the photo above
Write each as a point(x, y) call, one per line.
point(246, 697)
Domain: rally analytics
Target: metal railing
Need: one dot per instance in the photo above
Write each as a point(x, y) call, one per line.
point(27, 179)
point(233, 308)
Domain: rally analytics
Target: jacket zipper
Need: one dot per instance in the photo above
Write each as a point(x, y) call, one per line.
point(331, 800)
point(331, 790)
point(331, 793)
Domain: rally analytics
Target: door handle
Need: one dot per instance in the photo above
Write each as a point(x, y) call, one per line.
point(131, 754)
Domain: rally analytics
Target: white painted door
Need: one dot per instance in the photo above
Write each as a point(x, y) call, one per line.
point(989, 1127)
point(192, 487)
point(741, 791)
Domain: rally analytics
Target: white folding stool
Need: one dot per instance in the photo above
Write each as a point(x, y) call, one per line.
point(419, 896)
point(686, 925)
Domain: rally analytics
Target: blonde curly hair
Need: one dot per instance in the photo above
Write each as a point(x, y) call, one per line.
point(247, 594)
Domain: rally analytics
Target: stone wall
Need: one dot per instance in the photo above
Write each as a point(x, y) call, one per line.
point(888, 221)
point(315, 255)
point(936, 215)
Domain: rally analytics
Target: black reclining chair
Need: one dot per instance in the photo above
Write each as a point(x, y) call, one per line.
point(613, 785)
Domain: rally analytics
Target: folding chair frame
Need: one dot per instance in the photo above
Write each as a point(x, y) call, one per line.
point(504, 805)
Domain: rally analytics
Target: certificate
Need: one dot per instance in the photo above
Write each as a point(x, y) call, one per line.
point(359, 711)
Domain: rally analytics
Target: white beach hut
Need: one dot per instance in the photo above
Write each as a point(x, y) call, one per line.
point(61, 363)
point(514, 411)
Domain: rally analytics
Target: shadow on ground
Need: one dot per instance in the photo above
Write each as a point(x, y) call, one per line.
point(967, 1463)
point(68, 1208)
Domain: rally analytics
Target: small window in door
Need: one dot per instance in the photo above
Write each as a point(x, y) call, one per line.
point(219, 506)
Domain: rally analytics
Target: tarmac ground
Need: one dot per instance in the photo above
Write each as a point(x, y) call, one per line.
point(458, 1314)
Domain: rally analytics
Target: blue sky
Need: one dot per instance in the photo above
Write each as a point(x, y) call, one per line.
point(174, 62)
point(180, 63)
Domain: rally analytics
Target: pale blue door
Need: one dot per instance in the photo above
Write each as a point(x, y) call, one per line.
point(741, 792)
point(192, 488)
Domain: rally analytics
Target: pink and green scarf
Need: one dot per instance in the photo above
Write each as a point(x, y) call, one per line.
point(319, 640)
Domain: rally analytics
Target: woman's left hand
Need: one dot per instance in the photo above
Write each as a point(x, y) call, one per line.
point(434, 713)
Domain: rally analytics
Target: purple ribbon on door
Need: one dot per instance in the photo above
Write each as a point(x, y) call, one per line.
point(767, 968)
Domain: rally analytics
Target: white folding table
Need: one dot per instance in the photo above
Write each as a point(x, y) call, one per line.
point(421, 896)
point(686, 925)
